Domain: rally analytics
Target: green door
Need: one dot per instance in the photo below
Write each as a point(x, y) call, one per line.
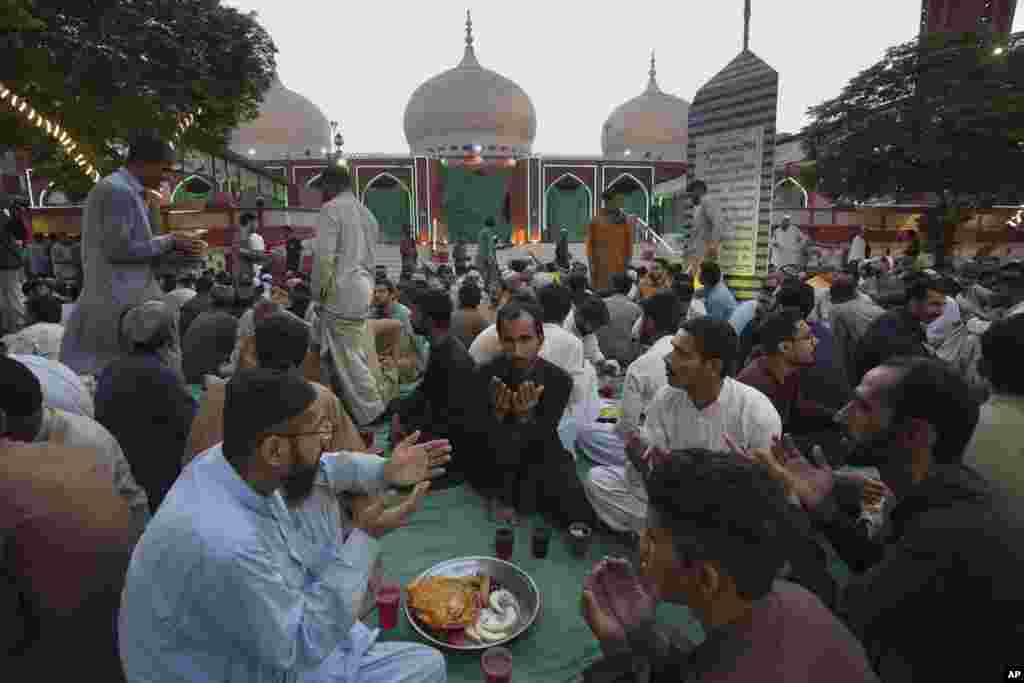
point(568, 208)
point(390, 206)
point(470, 198)
point(635, 203)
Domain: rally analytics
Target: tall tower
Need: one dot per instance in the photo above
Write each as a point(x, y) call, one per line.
point(941, 16)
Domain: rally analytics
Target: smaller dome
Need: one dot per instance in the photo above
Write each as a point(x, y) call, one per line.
point(649, 127)
point(288, 124)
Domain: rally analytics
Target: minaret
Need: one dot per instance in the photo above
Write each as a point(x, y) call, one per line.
point(469, 57)
point(746, 26)
point(652, 82)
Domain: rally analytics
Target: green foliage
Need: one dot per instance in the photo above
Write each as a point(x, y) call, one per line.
point(108, 68)
point(943, 116)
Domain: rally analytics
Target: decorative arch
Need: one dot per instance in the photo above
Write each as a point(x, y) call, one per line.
point(549, 205)
point(394, 233)
point(643, 188)
point(379, 176)
point(798, 185)
point(213, 183)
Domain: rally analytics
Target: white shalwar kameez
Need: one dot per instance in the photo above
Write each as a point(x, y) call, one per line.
point(674, 423)
point(343, 277)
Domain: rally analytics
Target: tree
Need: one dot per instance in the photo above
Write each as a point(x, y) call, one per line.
point(942, 116)
point(108, 68)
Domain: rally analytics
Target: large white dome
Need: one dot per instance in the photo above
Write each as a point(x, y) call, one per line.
point(470, 105)
point(288, 125)
point(649, 127)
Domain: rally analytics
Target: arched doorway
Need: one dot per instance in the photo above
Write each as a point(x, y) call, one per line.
point(193, 188)
point(635, 198)
point(569, 204)
point(390, 202)
point(473, 195)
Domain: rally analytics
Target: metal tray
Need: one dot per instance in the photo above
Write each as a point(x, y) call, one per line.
point(511, 577)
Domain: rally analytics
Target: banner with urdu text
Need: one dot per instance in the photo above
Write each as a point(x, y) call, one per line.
point(731, 165)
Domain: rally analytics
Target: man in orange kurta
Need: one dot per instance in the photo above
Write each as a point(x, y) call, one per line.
point(609, 242)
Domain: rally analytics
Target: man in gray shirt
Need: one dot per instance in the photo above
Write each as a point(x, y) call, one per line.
point(616, 338)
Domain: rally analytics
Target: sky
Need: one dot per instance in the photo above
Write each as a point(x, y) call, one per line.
point(576, 59)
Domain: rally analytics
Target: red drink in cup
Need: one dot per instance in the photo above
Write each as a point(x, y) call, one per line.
point(389, 595)
point(497, 665)
point(504, 541)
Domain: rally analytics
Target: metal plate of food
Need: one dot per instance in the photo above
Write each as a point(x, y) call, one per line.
point(472, 603)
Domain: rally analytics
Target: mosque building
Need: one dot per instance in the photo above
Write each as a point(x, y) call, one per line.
point(470, 132)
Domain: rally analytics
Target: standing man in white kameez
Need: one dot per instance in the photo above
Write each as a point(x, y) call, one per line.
point(711, 225)
point(119, 253)
point(344, 261)
point(788, 243)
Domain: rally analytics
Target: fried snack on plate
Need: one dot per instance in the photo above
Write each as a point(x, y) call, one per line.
point(446, 602)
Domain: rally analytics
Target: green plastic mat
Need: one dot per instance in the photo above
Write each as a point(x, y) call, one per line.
point(454, 523)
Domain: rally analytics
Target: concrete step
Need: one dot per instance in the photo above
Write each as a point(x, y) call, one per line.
point(389, 256)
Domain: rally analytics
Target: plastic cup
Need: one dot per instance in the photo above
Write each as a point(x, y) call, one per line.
point(579, 538)
point(504, 542)
point(497, 665)
point(539, 541)
point(389, 595)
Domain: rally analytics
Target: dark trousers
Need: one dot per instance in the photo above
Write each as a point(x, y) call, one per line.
point(543, 479)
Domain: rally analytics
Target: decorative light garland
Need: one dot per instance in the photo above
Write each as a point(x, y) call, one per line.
point(53, 129)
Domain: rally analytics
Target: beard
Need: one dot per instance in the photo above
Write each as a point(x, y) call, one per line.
point(172, 358)
point(882, 450)
point(298, 485)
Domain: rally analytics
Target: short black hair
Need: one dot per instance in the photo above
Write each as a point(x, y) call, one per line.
point(556, 301)
point(796, 295)
point(726, 511)
point(282, 341)
point(715, 339)
point(682, 287)
point(436, 305)
point(918, 287)
point(204, 284)
point(525, 295)
point(777, 328)
point(515, 309)
point(594, 310)
point(710, 273)
point(469, 295)
point(383, 282)
point(577, 282)
point(697, 185)
point(620, 283)
point(489, 222)
point(1000, 355)
point(665, 310)
point(933, 390)
point(46, 309)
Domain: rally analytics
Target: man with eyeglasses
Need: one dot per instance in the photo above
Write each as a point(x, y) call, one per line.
point(236, 580)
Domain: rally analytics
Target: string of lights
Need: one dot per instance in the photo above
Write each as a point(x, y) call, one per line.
point(63, 137)
point(58, 133)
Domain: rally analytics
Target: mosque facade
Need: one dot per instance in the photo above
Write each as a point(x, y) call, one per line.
point(470, 133)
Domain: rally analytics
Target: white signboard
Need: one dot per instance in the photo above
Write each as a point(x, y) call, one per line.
point(731, 164)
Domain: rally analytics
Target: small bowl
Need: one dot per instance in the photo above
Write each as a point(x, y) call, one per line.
point(511, 578)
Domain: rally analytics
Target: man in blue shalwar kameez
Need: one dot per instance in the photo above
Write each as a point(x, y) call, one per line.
point(238, 578)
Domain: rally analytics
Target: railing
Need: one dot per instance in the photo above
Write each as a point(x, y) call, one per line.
point(648, 234)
